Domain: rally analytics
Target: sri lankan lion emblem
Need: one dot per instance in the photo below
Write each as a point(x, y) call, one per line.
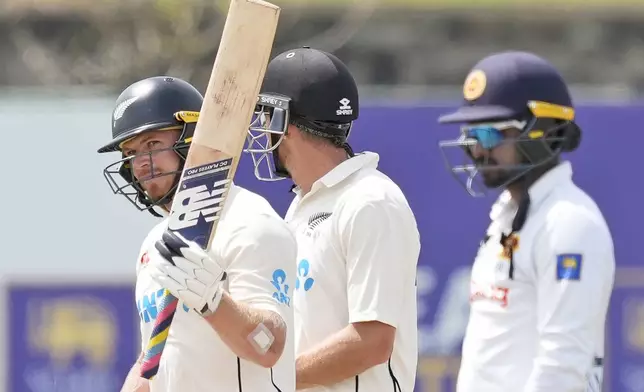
point(474, 85)
point(510, 245)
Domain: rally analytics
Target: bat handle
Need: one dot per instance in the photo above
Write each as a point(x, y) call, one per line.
point(166, 310)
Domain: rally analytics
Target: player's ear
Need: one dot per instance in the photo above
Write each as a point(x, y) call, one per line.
point(290, 130)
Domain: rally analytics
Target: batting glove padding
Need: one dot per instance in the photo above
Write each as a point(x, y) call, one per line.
point(188, 272)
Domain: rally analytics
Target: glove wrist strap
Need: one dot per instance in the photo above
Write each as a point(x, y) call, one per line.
point(213, 304)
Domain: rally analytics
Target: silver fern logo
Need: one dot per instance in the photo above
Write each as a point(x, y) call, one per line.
point(316, 219)
point(122, 107)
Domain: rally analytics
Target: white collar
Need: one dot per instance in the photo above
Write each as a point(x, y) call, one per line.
point(562, 173)
point(538, 191)
point(345, 169)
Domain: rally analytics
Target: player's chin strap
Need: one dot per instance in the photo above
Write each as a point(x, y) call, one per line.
point(508, 241)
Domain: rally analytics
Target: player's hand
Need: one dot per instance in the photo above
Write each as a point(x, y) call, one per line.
point(188, 272)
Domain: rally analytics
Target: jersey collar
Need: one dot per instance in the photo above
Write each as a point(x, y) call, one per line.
point(560, 174)
point(345, 169)
point(505, 207)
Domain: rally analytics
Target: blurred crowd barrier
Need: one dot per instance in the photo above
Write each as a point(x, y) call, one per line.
point(397, 48)
point(69, 321)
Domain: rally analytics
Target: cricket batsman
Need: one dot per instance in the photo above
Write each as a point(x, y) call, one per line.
point(543, 275)
point(358, 243)
point(233, 328)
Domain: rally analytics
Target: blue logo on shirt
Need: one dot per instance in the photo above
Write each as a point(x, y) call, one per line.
point(279, 282)
point(303, 278)
point(569, 266)
point(147, 305)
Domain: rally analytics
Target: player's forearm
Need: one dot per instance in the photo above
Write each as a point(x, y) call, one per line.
point(134, 382)
point(235, 322)
point(343, 355)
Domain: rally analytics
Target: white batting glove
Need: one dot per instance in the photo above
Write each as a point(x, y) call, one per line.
point(188, 272)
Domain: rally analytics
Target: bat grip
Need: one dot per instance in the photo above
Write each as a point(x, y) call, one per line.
point(152, 357)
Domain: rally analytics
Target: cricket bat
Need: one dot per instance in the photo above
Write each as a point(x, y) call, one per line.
point(218, 141)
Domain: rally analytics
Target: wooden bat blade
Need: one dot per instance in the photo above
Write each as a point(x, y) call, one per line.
point(237, 75)
point(230, 98)
point(217, 144)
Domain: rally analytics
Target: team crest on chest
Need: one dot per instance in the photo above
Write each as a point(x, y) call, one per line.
point(314, 223)
point(510, 245)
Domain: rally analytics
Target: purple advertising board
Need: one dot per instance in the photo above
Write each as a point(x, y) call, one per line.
point(73, 337)
point(451, 224)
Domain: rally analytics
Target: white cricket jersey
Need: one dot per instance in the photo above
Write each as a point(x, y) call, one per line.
point(258, 249)
point(537, 324)
point(358, 248)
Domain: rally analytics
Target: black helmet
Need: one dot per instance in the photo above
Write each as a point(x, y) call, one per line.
point(320, 86)
point(152, 104)
point(310, 88)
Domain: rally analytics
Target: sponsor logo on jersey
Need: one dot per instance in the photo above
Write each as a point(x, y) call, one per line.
point(281, 293)
point(489, 292)
point(304, 280)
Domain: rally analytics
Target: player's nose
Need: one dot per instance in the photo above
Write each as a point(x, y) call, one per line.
point(477, 151)
point(141, 165)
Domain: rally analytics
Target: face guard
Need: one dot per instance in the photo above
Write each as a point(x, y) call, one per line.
point(547, 132)
point(270, 123)
point(120, 177)
point(267, 129)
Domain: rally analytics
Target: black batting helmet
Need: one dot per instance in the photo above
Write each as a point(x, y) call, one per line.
point(309, 88)
point(152, 104)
